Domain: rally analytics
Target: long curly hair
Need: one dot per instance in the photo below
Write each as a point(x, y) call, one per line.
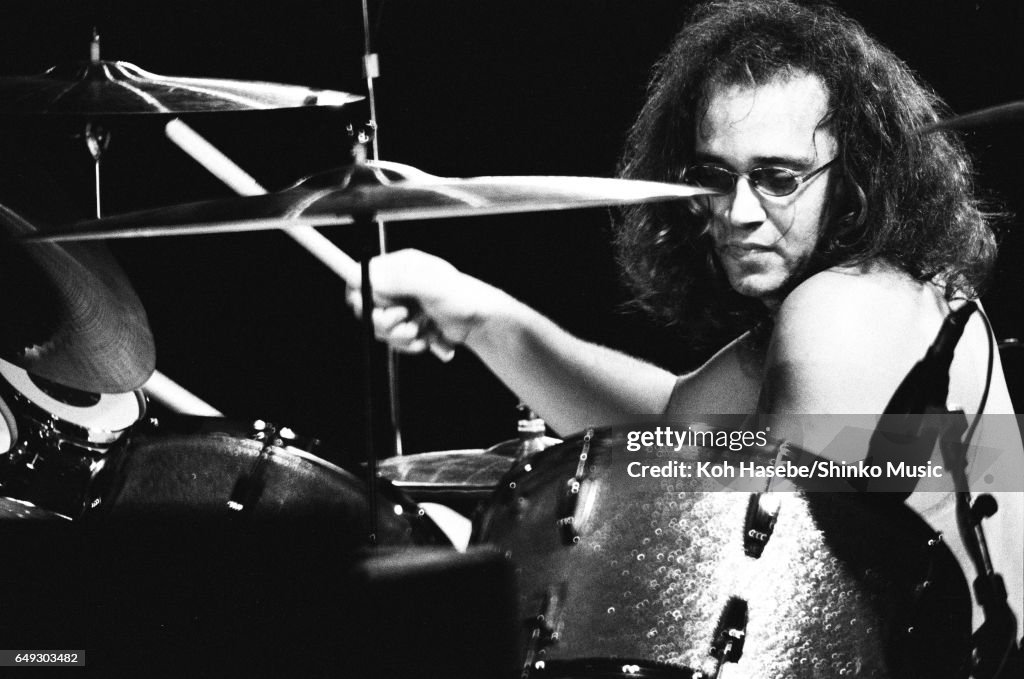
point(909, 197)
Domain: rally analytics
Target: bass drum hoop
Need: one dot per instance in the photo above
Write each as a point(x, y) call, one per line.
point(610, 668)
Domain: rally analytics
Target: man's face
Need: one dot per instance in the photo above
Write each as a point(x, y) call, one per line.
point(763, 242)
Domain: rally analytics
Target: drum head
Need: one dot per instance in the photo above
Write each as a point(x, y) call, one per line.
point(103, 420)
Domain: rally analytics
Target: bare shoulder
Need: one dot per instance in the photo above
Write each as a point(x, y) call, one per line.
point(845, 337)
point(853, 306)
point(852, 295)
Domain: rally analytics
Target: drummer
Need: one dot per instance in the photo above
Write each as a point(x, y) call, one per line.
point(839, 243)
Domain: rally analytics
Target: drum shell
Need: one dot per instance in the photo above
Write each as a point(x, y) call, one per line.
point(655, 561)
point(206, 475)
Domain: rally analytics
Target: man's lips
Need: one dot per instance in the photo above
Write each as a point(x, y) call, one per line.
point(739, 248)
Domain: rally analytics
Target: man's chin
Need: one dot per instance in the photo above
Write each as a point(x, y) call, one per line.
point(764, 288)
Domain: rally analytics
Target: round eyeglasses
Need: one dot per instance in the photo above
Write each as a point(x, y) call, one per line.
point(770, 181)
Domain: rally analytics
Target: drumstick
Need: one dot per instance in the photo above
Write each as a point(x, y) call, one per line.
point(163, 389)
point(314, 242)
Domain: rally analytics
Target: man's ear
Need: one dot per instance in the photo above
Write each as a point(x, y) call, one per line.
point(848, 204)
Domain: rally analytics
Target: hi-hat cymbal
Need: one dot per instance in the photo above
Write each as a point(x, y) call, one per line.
point(69, 314)
point(97, 88)
point(994, 114)
point(390, 191)
point(469, 470)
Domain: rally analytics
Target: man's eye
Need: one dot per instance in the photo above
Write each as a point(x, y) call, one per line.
point(774, 178)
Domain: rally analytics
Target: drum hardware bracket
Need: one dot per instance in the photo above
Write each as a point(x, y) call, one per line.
point(727, 643)
point(544, 628)
point(568, 501)
point(46, 435)
point(249, 486)
point(31, 464)
point(762, 513)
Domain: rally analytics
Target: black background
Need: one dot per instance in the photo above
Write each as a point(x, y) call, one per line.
point(258, 328)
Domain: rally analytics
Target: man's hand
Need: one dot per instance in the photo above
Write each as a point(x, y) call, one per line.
point(422, 301)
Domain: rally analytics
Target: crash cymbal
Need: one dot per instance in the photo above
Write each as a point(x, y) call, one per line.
point(98, 88)
point(995, 114)
point(69, 314)
point(390, 191)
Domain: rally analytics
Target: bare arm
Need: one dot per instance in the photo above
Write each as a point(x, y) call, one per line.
point(729, 383)
point(571, 383)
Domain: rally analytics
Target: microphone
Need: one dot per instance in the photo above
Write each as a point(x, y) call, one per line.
point(900, 435)
point(926, 386)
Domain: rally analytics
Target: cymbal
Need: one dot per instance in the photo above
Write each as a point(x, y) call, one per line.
point(390, 191)
point(994, 114)
point(98, 88)
point(468, 471)
point(69, 314)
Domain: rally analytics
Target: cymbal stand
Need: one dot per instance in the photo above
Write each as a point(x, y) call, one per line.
point(159, 386)
point(364, 223)
point(371, 71)
point(995, 640)
point(96, 140)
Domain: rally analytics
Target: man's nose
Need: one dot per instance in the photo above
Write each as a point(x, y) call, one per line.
point(746, 209)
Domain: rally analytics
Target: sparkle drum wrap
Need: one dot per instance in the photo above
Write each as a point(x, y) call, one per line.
point(642, 569)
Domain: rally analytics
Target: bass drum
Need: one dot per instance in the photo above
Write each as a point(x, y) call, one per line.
point(619, 571)
point(216, 471)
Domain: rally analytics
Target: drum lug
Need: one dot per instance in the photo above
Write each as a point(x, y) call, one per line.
point(250, 485)
point(568, 501)
point(727, 643)
point(545, 628)
point(762, 512)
